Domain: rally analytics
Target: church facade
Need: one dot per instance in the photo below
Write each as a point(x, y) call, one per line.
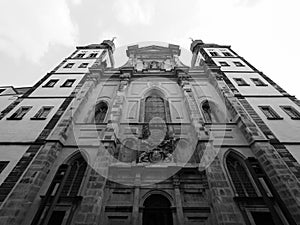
point(154, 141)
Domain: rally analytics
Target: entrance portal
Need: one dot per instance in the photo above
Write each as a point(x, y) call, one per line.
point(157, 211)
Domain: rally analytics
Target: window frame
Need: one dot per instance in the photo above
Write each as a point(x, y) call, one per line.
point(260, 83)
point(69, 65)
point(214, 54)
point(47, 85)
point(15, 115)
point(64, 85)
point(275, 115)
point(97, 107)
point(83, 65)
point(242, 83)
point(295, 111)
point(238, 64)
point(224, 64)
point(80, 55)
point(93, 55)
point(38, 115)
point(228, 54)
point(3, 165)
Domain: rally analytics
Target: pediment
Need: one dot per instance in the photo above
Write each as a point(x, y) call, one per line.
point(154, 50)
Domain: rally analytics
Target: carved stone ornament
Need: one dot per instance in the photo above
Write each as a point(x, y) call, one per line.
point(162, 153)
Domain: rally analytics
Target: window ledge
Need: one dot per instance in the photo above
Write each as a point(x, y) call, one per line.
point(47, 86)
point(13, 118)
point(33, 118)
point(65, 86)
point(243, 85)
point(279, 118)
point(295, 118)
point(261, 85)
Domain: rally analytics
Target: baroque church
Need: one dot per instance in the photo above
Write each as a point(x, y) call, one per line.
point(154, 141)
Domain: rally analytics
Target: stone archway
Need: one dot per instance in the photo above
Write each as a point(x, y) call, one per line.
point(157, 211)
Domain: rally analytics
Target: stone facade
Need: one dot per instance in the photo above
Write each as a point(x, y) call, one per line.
point(153, 141)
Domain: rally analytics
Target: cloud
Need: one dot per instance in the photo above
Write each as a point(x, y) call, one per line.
point(133, 12)
point(28, 28)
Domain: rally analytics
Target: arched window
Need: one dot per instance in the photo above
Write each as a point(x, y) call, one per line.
point(100, 112)
point(210, 112)
point(59, 203)
point(154, 107)
point(239, 176)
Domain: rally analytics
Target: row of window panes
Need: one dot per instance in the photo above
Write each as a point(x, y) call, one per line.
point(82, 65)
point(272, 115)
point(237, 64)
point(256, 81)
point(216, 54)
point(67, 83)
point(23, 110)
point(81, 55)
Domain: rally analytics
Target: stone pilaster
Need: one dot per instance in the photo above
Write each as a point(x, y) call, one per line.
point(21, 198)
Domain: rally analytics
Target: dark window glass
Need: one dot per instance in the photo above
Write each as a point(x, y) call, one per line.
point(224, 64)
point(227, 54)
point(69, 65)
point(2, 90)
point(154, 107)
point(68, 83)
point(264, 218)
point(93, 55)
point(3, 164)
point(214, 54)
point(80, 55)
point(51, 83)
point(20, 113)
point(269, 112)
point(43, 112)
point(238, 64)
point(291, 111)
point(57, 218)
point(100, 112)
point(83, 65)
point(241, 82)
point(239, 177)
point(258, 82)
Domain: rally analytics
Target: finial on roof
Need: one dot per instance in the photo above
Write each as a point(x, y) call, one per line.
point(113, 39)
point(191, 39)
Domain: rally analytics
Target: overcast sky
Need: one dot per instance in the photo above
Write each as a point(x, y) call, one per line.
point(36, 35)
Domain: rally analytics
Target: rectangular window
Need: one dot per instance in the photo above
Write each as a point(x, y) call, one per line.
point(291, 111)
point(212, 53)
point(270, 113)
point(83, 65)
point(69, 65)
point(20, 113)
point(42, 113)
point(258, 82)
point(224, 64)
point(238, 64)
point(80, 55)
point(241, 82)
point(3, 164)
point(227, 54)
point(93, 55)
point(51, 83)
point(68, 83)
